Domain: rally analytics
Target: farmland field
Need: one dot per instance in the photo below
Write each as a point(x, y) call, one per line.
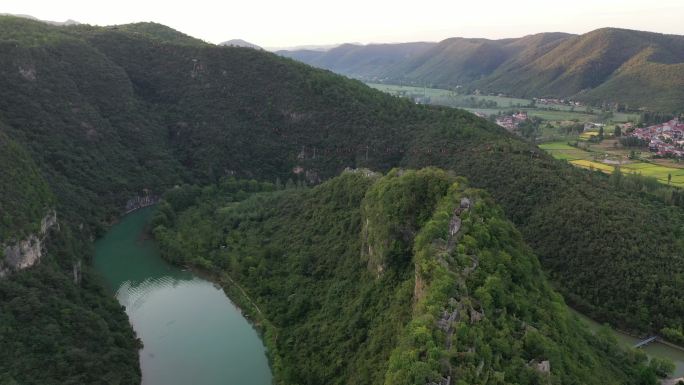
point(589, 164)
point(561, 150)
point(450, 98)
point(588, 135)
point(582, 158)
point(560, 115)
point(657, 171)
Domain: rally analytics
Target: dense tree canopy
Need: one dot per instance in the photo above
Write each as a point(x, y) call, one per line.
point(92, 116)
point(357, 279)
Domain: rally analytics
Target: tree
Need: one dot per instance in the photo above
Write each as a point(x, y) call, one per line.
point(661, 366)
point(669, 178)
point(600, 135)
point(618, 131)
point(616, 176)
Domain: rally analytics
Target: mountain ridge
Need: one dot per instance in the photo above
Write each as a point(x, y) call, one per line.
point(599, 66)
point(240, 43)
point(107, 113)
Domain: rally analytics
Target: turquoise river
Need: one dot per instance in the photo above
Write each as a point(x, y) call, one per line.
point(192, 333)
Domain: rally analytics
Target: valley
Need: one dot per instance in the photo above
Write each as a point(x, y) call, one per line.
point(435, 280)
point(364, 238)
point(560, 125)
point(634, 69)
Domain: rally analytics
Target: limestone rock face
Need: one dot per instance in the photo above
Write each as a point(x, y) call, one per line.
point(24, 254)
point(28, 251)
point(140, 201)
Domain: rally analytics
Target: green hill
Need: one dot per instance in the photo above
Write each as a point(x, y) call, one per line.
point(25, 196)
point(639, 69)
point(106, 113)
point(370, 62)
point(366, 280)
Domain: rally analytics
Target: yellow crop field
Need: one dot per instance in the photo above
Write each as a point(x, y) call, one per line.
point(588, 164)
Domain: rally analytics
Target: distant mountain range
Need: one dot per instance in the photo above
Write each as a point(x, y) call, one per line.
point(67, 22)
point(240, 43)
point(639, 69)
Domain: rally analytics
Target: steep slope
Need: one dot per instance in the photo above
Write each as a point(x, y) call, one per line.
point(461, 61)
point(240, 43)
point(368, 62)
point(201, 112)
point(24, 195)
point(58, 23)
point(451, 62)
point(457, 61)
point(355, 280)
point(77, 114)
point(585, 62)
point(58, 324)
point(645, 75)
point(605, 65)
point(109, 113)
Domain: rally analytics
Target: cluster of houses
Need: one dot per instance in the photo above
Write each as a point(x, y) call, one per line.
point(558, 102)
point(511, 122)
point(665, 139)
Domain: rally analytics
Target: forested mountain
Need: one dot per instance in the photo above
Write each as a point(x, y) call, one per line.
point(94, 116)
point(639, 69)
point(361, 61)
point(413, 278)
point(240, 43)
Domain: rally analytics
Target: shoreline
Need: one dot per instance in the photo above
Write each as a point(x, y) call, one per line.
point(266, 331)
point(235, 294)
point(247, 307)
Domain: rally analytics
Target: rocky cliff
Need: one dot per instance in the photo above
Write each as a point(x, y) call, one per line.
point(140, 201)
point(28, 251)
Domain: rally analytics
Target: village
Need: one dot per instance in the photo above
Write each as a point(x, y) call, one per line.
point(665, 139)
point(511, 122)
point(557, 102)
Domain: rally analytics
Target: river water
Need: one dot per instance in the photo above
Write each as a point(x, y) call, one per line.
point(192, 333)
point(655, 349)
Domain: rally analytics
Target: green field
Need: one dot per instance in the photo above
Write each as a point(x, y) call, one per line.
point(618, 117)
point(560, 115)
point(584, 159)
point(450, 98)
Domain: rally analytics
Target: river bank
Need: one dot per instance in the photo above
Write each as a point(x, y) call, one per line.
point(191, 331)
point(656, 349)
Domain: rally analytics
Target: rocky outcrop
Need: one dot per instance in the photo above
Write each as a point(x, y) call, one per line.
point(28, 251)
point(77, 272)
point(140, 201)
point(28, 73)
point(456, 222)
point(543, 367)
point(362, 171)
point(442, 381)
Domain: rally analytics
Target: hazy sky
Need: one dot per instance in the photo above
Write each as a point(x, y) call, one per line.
point(296, 22)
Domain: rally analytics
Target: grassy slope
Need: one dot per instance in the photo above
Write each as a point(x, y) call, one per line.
point(334, 268)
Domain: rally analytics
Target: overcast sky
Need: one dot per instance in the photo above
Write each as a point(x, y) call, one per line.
point(271, 23)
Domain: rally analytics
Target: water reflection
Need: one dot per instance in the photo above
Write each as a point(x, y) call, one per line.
point(192, 333)
point(655, 349)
